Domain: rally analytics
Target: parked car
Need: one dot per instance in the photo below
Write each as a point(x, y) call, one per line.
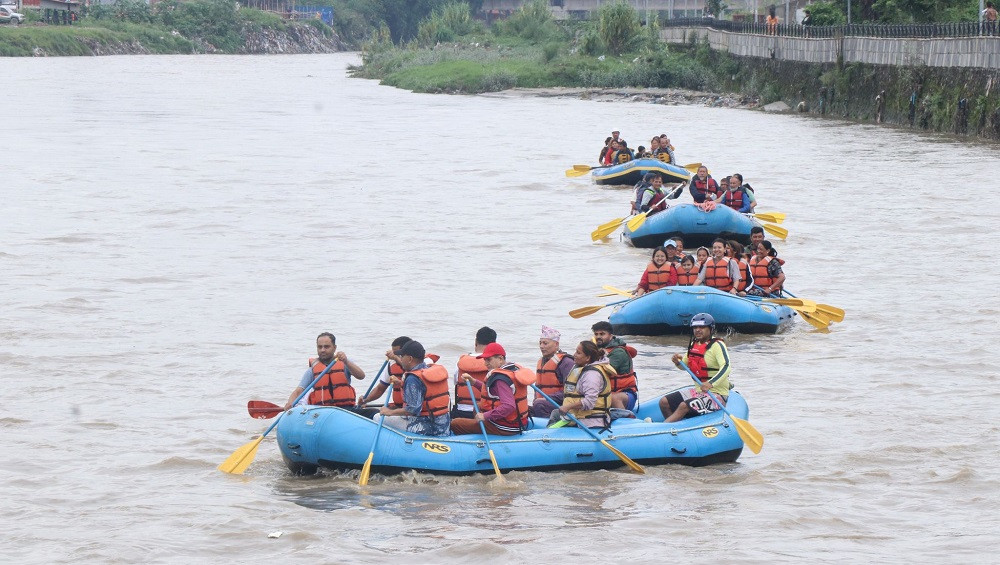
point(9, 16)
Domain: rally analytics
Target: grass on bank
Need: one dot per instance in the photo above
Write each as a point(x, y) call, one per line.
point(22, 41)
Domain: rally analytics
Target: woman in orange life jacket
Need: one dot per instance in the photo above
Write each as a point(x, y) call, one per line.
point(708, 359)
point(688, 271)
point(701, 255)
point(474, 365)
point(658, 274)
point(734, 250)
point(425, 395)
point(718, 271)
point(504, 394)
point(767, 274)
point(551, 371)
point(334, 389)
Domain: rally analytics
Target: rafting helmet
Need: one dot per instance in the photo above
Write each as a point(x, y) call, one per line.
point(703, 320)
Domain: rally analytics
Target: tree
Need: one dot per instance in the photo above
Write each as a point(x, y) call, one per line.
point(619, 27)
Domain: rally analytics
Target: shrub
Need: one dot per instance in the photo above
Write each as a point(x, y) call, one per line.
point(619, 27)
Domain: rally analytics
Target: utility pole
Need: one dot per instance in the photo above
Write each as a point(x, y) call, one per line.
point(848, 12)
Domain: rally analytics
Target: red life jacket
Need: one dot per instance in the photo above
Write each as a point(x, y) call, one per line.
point(517, 378)
point(733, 199)
point(708, 186)
point(437, 401)
point(696, 358)
point(687, 278)
point(476, 368)
point(758, 268)
point(334, 389)
point(548, 381)
point(717, 274)
point(659, 277)
point(619, 382)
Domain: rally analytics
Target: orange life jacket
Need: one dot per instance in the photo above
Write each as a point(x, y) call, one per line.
point(696, 358)
point(758, 268)
point(658, 277)
point(744, 276)
point(517, 378)
point(476, 368)
point(619, 382)
point(334, 389)
point(548, 381)
point(397, 388)
point(687, 278)
point(717, 274)
point(437, 400)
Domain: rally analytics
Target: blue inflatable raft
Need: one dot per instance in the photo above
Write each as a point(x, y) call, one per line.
point(693, 224)
point(669, 310)
point(633, 171)
point(323, 436)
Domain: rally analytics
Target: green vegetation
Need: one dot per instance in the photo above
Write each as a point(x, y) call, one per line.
point(172, 26)
point(530, 49)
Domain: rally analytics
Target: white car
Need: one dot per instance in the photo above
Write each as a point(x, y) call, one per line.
point(8, 15)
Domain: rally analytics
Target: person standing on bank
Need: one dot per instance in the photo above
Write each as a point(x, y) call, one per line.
point(624, 384)
point(552, 370)
point(334, 389)
point(504, 396)
point(425, 395)
point(708, 359)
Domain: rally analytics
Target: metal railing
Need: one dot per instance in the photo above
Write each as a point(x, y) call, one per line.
point(950, 29)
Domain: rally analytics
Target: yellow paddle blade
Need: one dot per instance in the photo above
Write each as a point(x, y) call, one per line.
point(835, 314)
point(777, 231)
point(693, 167)
point(585, 311)
point(636, 222)
point(779, 215)
point(635, 466)
point(607, 294)
point(769, 217)
point(496, 467)
point(366, 471)
point(241, 458)
point(584, 168)
point(576, 172)
point(605, 230)
point(797, 304)
point(817, 320)
point(749, 434)
point(614, 290)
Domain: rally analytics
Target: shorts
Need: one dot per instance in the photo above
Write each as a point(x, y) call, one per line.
point(698, 402)
point(633, 400)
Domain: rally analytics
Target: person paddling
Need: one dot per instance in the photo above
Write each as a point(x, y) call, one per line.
point(708, 359)
point(504, 393)
point(474, 365)
point(425, 395)
point(334, 389)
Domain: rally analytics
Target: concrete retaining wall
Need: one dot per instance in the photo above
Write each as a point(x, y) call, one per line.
point(970, 52)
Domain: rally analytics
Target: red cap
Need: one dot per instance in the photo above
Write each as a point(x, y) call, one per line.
point(492, 350)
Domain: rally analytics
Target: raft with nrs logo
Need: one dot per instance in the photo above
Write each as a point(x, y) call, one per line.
point(324, 436)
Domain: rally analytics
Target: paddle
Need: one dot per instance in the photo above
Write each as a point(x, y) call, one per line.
point(832, 312)
point(625, 459)
point(607, 228)
point(807, 309)
point(773, 217)
point(588, 310)
point(375, 380)
point(244, 456)
point(482, 426)
point(615, 291)
point(777, 231)
point(366, 470)
point(749, 434)
point(263, 410)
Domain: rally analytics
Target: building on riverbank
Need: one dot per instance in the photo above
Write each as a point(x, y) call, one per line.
point(665, 9)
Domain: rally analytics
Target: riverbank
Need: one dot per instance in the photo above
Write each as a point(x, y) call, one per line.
point(667, 96)
point(184, 30)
